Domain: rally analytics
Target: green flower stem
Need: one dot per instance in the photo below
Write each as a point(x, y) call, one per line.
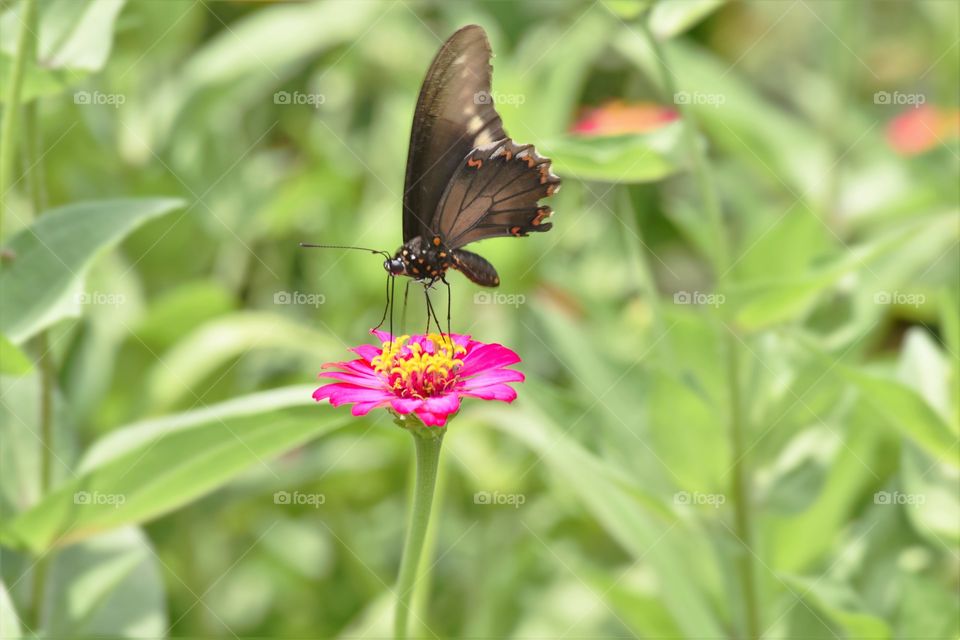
point(428, 457)
point(11, 109)
point(722, 266)
point(27, 50)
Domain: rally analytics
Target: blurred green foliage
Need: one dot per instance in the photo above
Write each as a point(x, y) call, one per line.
point(196, 490)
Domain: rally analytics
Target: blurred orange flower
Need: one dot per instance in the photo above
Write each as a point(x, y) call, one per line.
point(617, 117)
point(922, 128)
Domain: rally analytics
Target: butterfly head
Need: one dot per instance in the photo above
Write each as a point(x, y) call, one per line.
point(395, 266)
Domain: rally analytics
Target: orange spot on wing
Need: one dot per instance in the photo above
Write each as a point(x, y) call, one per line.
point(475, 162)
point(542, 212)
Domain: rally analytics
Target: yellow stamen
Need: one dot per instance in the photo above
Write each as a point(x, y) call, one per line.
point(415, 372)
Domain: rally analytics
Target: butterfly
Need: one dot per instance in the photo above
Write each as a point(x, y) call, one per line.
point(466, 179)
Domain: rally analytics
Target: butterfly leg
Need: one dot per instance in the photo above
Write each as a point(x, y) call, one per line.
point(449, 296)
point(386, 307)
point(403, 314)
point(393, 297)
point(431, 314)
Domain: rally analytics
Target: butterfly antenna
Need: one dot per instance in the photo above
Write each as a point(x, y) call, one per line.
point(308, 245)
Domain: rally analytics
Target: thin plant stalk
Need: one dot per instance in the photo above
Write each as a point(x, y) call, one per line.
point(11, 109)
point(427, 460)
point(27, 47)
point(722, 267)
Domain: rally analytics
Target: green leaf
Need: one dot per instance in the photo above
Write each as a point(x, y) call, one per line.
point(736, 115)
point(698, 454)
point(840, 606)
point(182, 309)
point(903, 409)
point(21, 449)
point(210, 347)
point(52, 255)
point(670, 18)
point(626, 9)
point(636, 520)
point(626, 158)
point(950, 323)
point(761, 303)
point(252, 56)
point(145, 470)
point(75, 39)
point(12, 360)
point(9, 621)
point(108, 586)
point(796, 541)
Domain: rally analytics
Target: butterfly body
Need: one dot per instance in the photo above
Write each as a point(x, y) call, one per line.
point(429, 262)
point(466, 179)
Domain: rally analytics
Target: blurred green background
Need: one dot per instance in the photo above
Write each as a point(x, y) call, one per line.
point(741, 336)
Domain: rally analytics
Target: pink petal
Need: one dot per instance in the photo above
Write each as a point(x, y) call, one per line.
point(341, 393)
point(382, 335)
point(488, 356)
point(363, 408)
point(405, 405)
point(492, 392)
point(446, 404)
point(432, 419)
point(493, 376)
point(369, 382)
point(366, 351)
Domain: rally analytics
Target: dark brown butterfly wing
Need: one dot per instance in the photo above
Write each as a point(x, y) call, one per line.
point(454, 115)
point(495, 192)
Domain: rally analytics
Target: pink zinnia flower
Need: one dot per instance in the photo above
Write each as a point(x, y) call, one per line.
point(421, 374)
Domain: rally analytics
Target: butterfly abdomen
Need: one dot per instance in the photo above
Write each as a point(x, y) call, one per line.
point(475, 267)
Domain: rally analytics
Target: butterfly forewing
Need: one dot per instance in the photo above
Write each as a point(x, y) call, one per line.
point(494, 192)
point(454, 115)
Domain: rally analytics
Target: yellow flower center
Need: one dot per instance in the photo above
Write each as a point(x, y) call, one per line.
point(419, 371)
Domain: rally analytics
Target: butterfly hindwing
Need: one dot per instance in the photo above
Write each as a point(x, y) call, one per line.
point(494, 192)
point(454, 115)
